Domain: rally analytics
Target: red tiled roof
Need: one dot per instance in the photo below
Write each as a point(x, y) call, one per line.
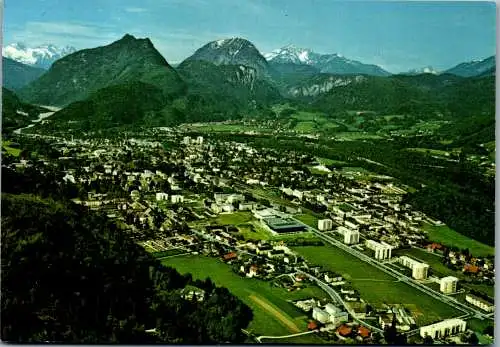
point(229, 256)
point(471, 268)
point(312, 325)
point(344, 330)
point(363, 332)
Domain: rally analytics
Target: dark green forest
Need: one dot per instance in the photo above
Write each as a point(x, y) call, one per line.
point(70, 275)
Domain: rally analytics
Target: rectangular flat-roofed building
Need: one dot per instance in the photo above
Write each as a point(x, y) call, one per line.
point(442, 329)
point(283, 225)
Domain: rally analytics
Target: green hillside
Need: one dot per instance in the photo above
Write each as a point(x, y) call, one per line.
point(77, 75)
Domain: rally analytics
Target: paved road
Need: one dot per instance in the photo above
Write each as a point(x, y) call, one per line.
point(403, 278)
point(285, 336)
point(336, 297)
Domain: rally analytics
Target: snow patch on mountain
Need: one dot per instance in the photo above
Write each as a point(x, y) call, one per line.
point(41, 56)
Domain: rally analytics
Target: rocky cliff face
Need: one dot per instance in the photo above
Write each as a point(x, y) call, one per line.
point(323, 84)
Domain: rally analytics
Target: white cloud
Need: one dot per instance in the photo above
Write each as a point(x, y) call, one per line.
point(77, 34)
point(136, 9)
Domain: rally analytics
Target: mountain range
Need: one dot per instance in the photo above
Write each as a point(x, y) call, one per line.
point(325, 63)
point(474, 68)
point(41, 56)
point(128, 82)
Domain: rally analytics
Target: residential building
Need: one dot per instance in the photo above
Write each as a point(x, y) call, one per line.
point(419, 269)
point(320, 315)
point(443, 329)
point(176, 199)
point(325, 224)
point(480, 302)
point(351, 237)
point(161, 196)
point(448, 285)
point(382, 250)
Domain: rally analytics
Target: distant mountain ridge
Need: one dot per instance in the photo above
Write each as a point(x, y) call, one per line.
point(423, 70)
point(473, 68)
point(325, 63)
point(16, 75)
point(42, 56)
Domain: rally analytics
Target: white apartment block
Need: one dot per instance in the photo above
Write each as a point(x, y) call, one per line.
point(325, 224)
point(320, 315)
point(176, 199)
point(479, 302)
point(419, 269)
point(448, 285)
point(382, 250)
point(161, 196)
point(351, 237)
point(445, 328)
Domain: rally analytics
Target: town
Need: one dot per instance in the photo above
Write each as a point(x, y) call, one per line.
point(281, 217)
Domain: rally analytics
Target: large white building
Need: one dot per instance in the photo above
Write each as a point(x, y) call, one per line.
point(419, 269)
point(320, 315)
point(445, 328)
point(337, 316)
point(479, 302)
point(351, 237)
point(325, 224)
point(448, 285)
point(382, 250)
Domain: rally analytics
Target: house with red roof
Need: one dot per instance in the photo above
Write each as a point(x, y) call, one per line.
point(230, 256)
point(364, 332)
point(344, 330)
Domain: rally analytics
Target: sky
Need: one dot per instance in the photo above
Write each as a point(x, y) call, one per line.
point(396, 35)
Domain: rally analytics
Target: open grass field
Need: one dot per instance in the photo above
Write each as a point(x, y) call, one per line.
point(309, 339)
point(376, 286)
point(326, 161)
point(308, 219)
point(248, 226)
point(12, 151)
point(305, 127)
point(352, 136)
point(254, 231)
point(450, 237)
point(273, 314)
point(234, 218)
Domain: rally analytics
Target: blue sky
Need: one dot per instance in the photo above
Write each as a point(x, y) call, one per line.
point(395, 35)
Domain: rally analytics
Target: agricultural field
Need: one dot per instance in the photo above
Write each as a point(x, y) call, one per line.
point(449, 237)
point(376, 286)
point(273, 314)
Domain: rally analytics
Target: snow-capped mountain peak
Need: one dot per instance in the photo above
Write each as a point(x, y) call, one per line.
point(327, 63)
point(41, 56)
point(424, 70)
